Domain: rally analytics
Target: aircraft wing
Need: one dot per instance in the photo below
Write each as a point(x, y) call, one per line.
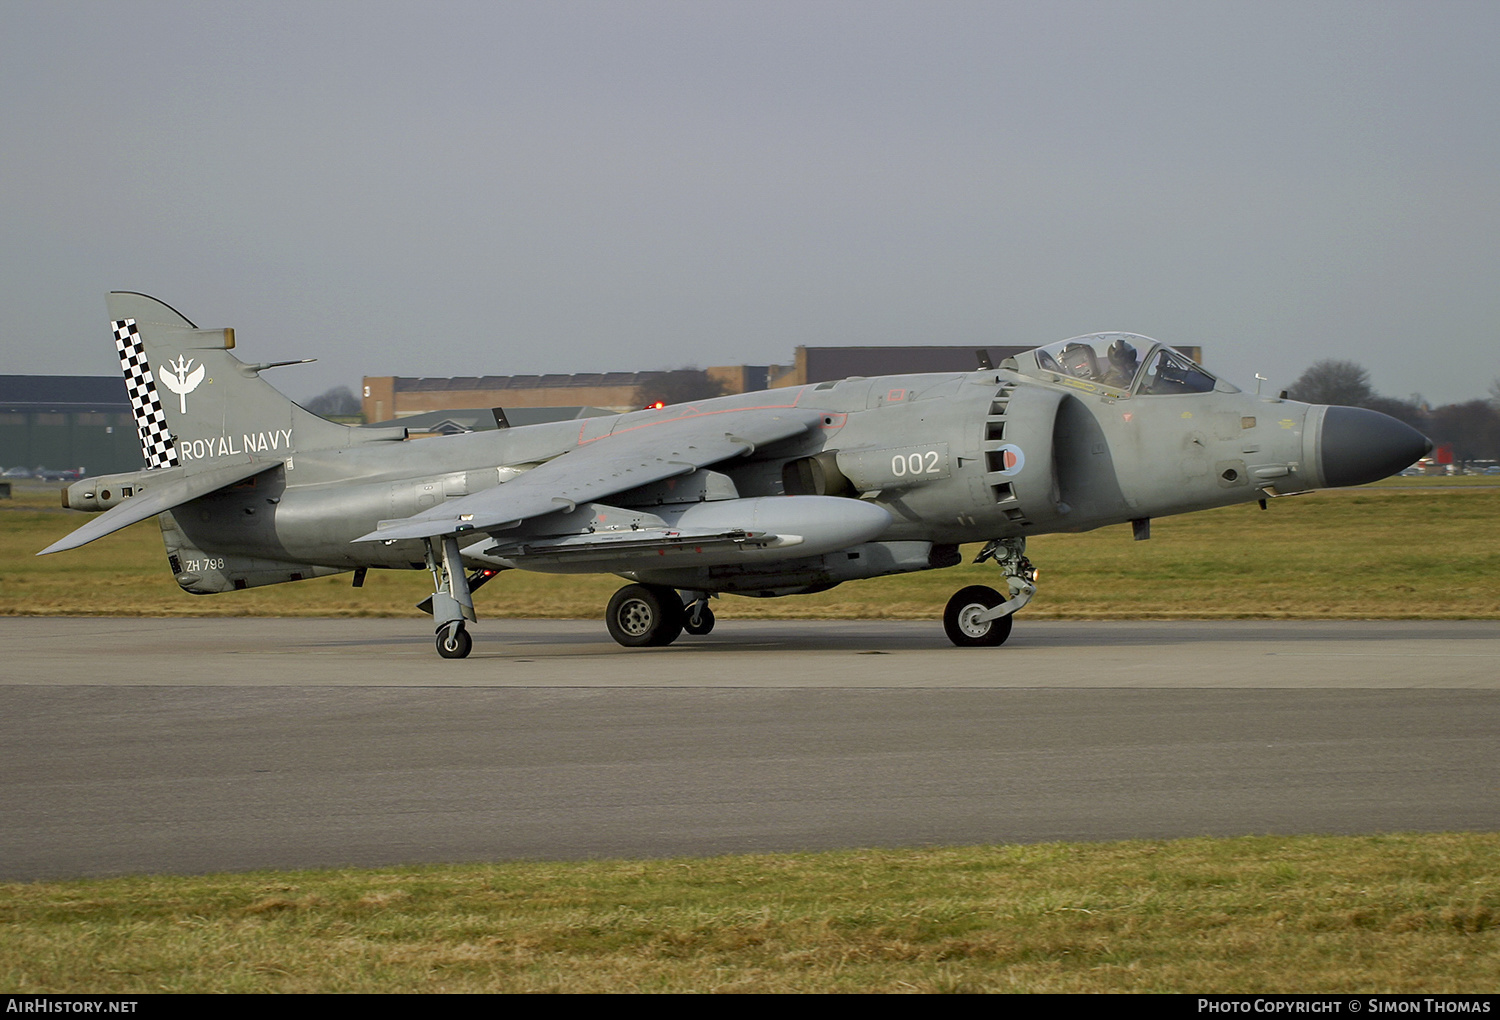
point(173, 489)
point(598, 468)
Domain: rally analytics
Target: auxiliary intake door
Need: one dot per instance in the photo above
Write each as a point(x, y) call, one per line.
point(1020, 469)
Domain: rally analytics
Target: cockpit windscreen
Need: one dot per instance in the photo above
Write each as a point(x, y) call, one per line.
point(1126, 362)
point(1171, 372)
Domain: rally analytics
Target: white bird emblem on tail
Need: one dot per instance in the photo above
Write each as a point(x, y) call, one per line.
point(179, 380)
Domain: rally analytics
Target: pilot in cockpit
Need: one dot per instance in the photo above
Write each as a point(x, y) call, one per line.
point(1123, 362)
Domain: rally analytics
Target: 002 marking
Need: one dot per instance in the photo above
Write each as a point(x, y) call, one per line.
point(915, 464)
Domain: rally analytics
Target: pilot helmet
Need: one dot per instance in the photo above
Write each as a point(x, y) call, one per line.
point(1123, 356)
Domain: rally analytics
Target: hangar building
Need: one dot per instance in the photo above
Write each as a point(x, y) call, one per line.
point(389, 397)
point(67, 421)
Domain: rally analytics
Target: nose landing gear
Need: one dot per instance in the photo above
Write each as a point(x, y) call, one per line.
point(966, 621)
point(979, 616)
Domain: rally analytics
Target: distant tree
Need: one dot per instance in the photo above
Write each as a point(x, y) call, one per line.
point(339, 402)
point(1333, 382)
point(678, 386)
point(1410, 411)
point(1473, 428)
point(1495, 392)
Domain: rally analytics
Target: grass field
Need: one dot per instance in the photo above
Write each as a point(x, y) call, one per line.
point(1400, 550)
point(1404, 913)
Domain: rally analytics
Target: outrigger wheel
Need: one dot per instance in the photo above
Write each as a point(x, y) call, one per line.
point(644, 614)
point(700, 620)
point(961, 618)
point(454, 642)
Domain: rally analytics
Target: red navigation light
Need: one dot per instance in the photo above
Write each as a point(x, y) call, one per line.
point(656, 406)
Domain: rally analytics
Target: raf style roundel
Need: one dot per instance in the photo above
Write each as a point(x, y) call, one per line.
point(1012, 458)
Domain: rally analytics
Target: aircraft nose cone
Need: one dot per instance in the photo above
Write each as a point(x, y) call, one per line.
point(1359, 446)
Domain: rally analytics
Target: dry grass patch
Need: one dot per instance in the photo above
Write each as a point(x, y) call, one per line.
point(1387, 552)
point(1410, 913)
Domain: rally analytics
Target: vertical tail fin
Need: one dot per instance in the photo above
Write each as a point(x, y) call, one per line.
point(216, 409)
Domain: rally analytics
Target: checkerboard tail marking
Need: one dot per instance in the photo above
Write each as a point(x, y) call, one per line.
point(157, 444)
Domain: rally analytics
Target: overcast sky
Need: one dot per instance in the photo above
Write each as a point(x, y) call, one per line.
point(492, 188)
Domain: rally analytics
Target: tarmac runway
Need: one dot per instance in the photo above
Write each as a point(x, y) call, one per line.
point(201, 745)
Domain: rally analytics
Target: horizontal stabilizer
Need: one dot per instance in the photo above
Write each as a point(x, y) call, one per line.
point(169, 487)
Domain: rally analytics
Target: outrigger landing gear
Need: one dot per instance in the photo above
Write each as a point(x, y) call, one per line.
point(453, 602)
point(979, 616)
point(700, 618)
point(454, 642)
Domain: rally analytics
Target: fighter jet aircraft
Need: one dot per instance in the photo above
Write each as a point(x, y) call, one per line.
point(781, 492)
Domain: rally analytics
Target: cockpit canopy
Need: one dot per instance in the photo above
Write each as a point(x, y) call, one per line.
point(1121, 363)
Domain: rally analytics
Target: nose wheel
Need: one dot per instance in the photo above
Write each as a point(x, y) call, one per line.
point(978, 616)
point(964, 618)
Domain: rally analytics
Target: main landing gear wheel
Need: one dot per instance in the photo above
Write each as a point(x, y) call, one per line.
point(454, 643)
point(960, 618)
point(644, 614)
point(699, 623)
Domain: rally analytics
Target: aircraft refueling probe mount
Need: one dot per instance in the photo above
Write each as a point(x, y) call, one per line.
point(1009, 555)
